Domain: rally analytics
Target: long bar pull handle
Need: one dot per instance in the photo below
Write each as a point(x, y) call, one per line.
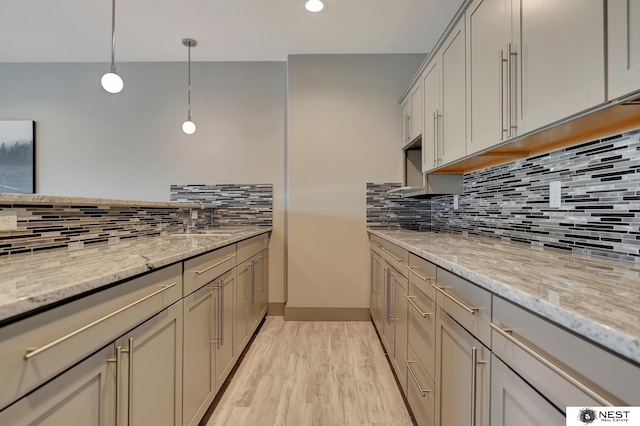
point(471, 309)
point(117, 360)
point(221, 298)
point(217, 264)
point(388, 296)
point(509, 111)
point(410, 299)
point(408, 128)
point(439, 140)
point(602, 400)
point(415, 271)
point(253, 281)
point(513, 125)
point(397, 259)
point(435, 138)
point(129, 408)
point(33, 352)
point(423, 392)
point(474, 378)
point(503, 130)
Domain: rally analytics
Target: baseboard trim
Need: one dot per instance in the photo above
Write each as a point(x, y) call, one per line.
point(326, 314)
point(276, 309)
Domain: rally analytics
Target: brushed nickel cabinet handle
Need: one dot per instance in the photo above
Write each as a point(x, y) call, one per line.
point(33, 352)
point(513, 125)
point(568, 377)
point(397, 259)
point(217, 264)
point(471, 309)
point(415, 271)
point(502, 61)
point(410, 299)
point(117, 361)
point(423, 392)
point(129, 409)
point(435, 138)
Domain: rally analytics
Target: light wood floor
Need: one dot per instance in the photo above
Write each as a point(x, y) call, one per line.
point(313, 373)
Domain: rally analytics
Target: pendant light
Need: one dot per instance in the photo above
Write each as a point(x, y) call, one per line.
point(314, 5)
point(189, 127)
point(111, 81)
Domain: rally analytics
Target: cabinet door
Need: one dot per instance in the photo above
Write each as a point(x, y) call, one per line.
point(560, 54)
point(399, 285)
point(244, 277)
point(264, 289)
point(432, 114)
point(406, 116)
point(256, 274)
point(198, 367)
point(380, 274)
point(388, 325)
point(83, 395)
point(224, 358)
point(623, 40)
point(462, 375)
point(415, 116)
point(453, 140)
point(514, 402)
point(372, 286)
point(488, 34)
point(152, 384)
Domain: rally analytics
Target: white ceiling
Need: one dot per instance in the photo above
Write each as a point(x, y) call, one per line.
point(226, 30)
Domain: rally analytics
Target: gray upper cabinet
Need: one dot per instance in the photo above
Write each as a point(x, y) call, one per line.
point(531, 63)
point(623, 43)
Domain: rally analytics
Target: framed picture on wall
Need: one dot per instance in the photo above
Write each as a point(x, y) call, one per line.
point(18, 156)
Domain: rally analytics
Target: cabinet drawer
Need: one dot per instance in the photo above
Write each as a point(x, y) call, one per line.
point(203, 269)
point(467, 303)
point(248, 248)
point(394, 255)
point(422, 274)
point(609, 376)
point(264, 241)
point(420, 390)
point(422, 328)
point(39, 347)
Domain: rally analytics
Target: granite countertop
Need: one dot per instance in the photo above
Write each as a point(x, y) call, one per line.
point(32, 281)
point(594, 297)
point(9, 198)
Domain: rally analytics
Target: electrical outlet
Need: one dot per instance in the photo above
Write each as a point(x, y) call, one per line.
point(555, 194)
point(456, 202)
point(9, 221)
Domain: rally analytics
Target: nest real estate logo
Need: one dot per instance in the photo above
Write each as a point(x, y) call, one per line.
point(584, 416)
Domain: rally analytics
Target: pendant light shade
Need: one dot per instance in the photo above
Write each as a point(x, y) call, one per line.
point(314, 5)
point(111, 81)
point(189, 127)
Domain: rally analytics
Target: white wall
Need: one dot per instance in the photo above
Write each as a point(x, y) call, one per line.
point(130, 145)
point(343, 131)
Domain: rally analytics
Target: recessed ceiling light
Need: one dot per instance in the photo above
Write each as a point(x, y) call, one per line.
point(314, 5)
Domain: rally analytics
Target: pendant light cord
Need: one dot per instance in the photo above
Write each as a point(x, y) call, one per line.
point(113, 36)
point(189, 87)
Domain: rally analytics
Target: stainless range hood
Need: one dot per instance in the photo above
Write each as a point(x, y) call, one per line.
point(419, 185)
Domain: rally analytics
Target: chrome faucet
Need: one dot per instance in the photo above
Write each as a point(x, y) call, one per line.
point(190, 224)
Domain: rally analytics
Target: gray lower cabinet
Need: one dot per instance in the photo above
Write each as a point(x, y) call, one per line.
point(83, 395)
point(399, 286)
point(243, 288)
point(515, 402)
point(463, 366)
point(150, 380)
point(224, 301)
point(378, 290)
point(199, 352)
point(388, 326)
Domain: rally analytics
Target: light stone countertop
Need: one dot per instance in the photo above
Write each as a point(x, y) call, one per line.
point(32, 281)
point(83, 201)
point(594, 297)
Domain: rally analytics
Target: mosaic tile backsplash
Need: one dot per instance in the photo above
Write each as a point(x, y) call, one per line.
point(235, 204)
point(45, 227)
point(390, 211)
point(599, 213)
